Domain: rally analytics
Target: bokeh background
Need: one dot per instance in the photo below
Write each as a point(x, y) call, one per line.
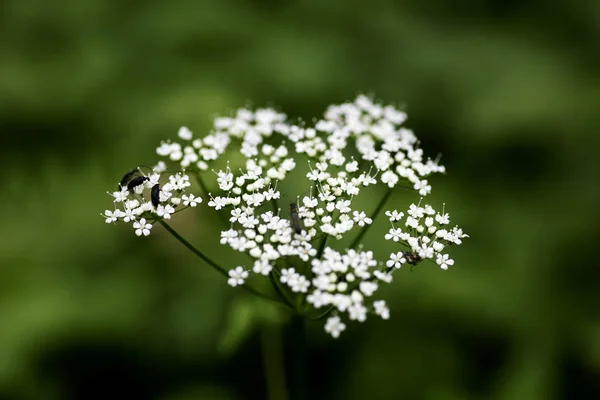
point(508, 91)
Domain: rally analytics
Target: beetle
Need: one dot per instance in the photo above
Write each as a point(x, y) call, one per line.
point(127, 177)
point(155, 195)
point(137, 181)
point(294, 218)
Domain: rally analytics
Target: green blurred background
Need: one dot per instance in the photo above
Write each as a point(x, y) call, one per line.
point(508, 91)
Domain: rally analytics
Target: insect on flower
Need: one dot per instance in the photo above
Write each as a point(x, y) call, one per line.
point(294, 218)
point(412, 257)
point(352, 146)
point(137, 181)
point(155, 195)
point(127, 177)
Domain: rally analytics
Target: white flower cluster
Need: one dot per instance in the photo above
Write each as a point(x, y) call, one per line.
point(251, 127)
point(344, 282)
point(425, 234)
point(161, 202)
point(331, 210)
point(381, 140)
point(353, 146)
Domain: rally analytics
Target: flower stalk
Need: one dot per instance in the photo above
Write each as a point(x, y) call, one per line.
point(274, 362)
point(357, 240)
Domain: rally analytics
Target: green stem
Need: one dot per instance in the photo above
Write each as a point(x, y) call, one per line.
point(193, 248)
point(275, 205)
point(322, 247)
point(366, 228)
point(298, 346)
point(213, 264)
point(273, 362)
point(201, 183)
point(278, 290)
point(224, 218)
point(323, 315)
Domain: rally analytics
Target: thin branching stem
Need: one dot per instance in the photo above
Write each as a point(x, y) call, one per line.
point(322, 247)
point(200, 181)
point(279, 291)
point(366, 228)
point(213, 264)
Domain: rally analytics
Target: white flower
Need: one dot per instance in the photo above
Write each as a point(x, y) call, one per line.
point(357, 312)
point(368, 288)
point(111, 216)
point(227, 236)
point(381, 309)
point(396, 260)
point(422, 187)
point(159, 168)
point(191, 200)
point(288, 276)
point(262, 267)
point(300, 284)
point(416, 211)
point(394, 234)
point(217, 202)
point(318, 298)
point(442, 219)
point(334, 326)
point(361, 218)
point(121, 195)
point(142, 227)
point(184, 133)
point(394, 215)
point(309, 202)
point(165, 211)
point(383, 276)
point(389, 178)
point(352, 166)
point(444, 261)
point(426, 251)
point(237, 276)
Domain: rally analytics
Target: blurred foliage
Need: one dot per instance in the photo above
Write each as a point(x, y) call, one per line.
point(508, 91)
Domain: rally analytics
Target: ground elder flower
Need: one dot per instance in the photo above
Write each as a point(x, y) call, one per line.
point(141, 227)
point(334, 326)
point(191, 200)
point(237, 276)
point(423, 236)
point(136, 204)
point(297, 248)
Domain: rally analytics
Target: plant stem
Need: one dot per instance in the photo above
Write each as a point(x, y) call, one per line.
point(273, 362)
point(201, 183)
point(322, 247)
point(298, 346)
point(275, 205)
point(278, 290)
point(213, 264)
point(366, 228)
point(323, 315)
point(193, 248)
point(222, 216)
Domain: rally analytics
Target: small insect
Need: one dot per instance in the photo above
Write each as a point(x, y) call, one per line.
point(127, 177)
point(294, 218)
point(137, 181)
point(412, 257)
point(155, 195)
